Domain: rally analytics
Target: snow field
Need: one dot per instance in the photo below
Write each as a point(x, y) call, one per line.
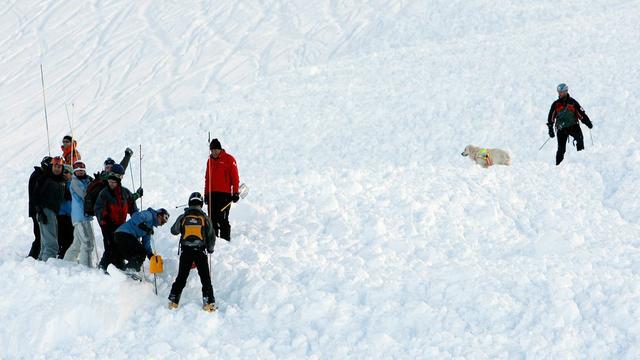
point(365, 233)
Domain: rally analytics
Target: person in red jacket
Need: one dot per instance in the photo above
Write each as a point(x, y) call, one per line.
point(221, 183)
point(113, 205)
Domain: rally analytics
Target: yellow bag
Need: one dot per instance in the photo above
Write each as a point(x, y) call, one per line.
point(155, 264)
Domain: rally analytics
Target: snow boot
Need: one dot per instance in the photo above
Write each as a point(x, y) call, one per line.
point(209, 304)
point(209, 307)
point(174, 300)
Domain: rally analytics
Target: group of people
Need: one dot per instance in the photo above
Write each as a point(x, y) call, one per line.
point(64, 199)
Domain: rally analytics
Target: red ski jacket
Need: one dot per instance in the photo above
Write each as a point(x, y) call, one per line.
point(221, 174)
point(112, 206)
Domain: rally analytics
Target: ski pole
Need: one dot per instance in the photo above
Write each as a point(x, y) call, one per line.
point(141, 207)
point(591, 135)
point(132, 181)
point(70, 121)
point(155, 284)
point(545, 143)
point(209, 178)
point(73, 136)
point(181, 206)
point(46, 119)
point(153, 248)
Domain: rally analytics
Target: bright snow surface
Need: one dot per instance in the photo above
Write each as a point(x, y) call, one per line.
point(365, 234)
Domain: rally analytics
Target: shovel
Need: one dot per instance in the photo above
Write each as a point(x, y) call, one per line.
point(156, 265)
point(244, 190)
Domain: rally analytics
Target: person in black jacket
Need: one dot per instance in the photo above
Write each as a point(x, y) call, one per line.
point(65, 226)
point(196, 235)
point(38, 171)
point(565, 113)
point(49, 194)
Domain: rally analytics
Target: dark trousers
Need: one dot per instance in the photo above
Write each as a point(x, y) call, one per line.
point(65, 234)
point(563, 134)
point(109, 256)
point(189, 256)
point(35, 246)
point(128, 247)
point(220, 219)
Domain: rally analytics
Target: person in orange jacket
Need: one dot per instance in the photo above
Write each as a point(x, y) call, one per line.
point(221, 186)
point(68, 147)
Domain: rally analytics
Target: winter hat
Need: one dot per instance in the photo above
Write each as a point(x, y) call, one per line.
point(68, 169)
point(46, 161)
point(562, 87)
point(195, 199)
point(117, 169)
point(58, 160)
point(79, 165)
point(215, 144)
point(163, 212)
point(67, 137)
point(109, 161)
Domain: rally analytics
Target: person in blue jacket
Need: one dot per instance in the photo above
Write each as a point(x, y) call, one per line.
point(83, 239)
point(127, 237)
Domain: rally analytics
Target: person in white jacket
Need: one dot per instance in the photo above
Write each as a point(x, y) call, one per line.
point(83, 239)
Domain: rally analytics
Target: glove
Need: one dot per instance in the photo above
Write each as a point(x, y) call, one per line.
point(145, 228)
point(551, 133)
point(41, 217)
point(235, 197)
point(128, 151)
point(206, 200)
point(149, 255)
point(210, 250)
point(588, 123)
point(139, 192)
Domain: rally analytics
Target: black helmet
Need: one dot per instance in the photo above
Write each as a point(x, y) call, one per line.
point(195, 199)
point(46, 162)
point(109, 161)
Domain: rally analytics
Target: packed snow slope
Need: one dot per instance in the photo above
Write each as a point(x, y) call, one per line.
point(365, 233)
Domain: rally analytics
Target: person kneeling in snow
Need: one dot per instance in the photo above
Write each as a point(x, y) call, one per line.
point(126, 238)
point(196, 236)
point(111, 208)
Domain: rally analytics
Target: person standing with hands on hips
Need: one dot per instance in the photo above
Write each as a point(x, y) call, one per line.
point(220, 188)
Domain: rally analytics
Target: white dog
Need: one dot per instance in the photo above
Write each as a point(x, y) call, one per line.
point(487, 157)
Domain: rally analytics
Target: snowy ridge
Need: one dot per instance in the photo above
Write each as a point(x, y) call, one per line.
point(366, 234)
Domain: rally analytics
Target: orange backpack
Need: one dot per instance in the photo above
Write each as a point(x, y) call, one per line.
point(193, 226)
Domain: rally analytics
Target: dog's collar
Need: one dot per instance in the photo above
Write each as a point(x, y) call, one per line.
point(484, 153)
